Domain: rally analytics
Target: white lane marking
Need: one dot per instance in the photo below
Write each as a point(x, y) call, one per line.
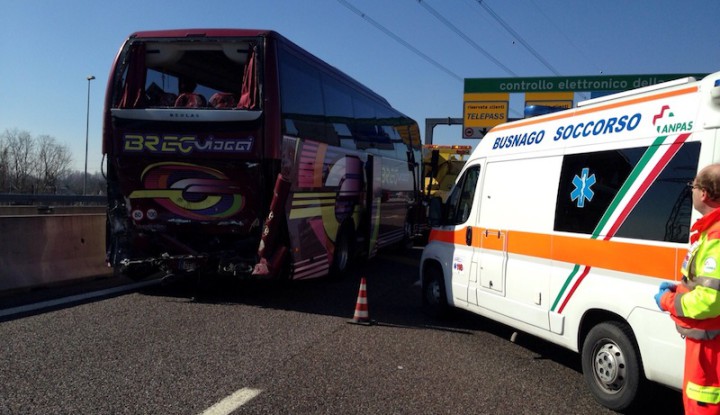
point(233, 402)
point(76, 298)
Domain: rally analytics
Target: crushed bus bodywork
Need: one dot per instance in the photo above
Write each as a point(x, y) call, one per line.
point(186, 171)
point(223, 155)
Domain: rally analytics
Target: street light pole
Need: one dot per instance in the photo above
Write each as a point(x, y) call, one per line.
point(87, 129)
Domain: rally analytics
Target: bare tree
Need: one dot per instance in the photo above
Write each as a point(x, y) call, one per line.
point(53, 163)
point(20, 148)
point(4, 167)
point(73, 183)
point(32, 165)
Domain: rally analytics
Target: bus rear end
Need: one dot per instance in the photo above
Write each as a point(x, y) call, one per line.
point(190, 176)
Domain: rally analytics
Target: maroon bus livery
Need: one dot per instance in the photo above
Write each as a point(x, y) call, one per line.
point(237, 152)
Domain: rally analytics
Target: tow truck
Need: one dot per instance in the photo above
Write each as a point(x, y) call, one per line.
point(441, 165)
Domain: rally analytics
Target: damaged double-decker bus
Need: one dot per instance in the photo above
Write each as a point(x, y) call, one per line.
point(237, 152)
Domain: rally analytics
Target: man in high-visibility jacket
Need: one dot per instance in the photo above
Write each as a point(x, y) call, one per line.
point(694, 304)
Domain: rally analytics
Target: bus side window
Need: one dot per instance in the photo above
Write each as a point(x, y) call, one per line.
point(342, 131)
point(302, 99)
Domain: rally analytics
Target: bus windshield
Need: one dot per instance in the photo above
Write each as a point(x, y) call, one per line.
point(187, 74)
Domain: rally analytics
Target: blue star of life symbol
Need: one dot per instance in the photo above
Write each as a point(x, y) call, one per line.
point(583, 189)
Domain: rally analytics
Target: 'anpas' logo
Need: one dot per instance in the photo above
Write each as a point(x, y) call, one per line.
point(665, 124)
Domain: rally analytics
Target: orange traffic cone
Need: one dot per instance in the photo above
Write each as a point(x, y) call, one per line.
point(362, 316)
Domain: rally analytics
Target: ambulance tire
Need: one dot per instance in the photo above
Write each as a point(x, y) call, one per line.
point(611, 365)
point(434, 294)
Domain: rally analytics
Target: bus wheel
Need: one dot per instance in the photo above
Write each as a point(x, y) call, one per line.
point(434, 295)
point(407, 241)
point(343, 252)
point(611, 365)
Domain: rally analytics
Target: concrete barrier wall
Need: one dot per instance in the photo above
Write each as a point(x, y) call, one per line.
point(46, 249)
point(46, 210)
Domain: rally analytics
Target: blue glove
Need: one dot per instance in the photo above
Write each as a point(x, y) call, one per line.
point(666, 285)
point(659, 295)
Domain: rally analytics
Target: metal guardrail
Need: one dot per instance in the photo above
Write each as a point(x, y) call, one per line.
point(20, 199)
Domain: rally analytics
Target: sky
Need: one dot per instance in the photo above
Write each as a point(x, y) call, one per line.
point(414, 53)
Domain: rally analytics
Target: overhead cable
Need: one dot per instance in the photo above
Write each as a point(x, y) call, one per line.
point(567, 38)
point(465, 37)
point(517, 36)
point(399, 40)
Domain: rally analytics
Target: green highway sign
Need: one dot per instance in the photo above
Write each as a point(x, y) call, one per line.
point(570, 83)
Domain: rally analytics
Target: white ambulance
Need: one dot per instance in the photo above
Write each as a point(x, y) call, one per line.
point(564, 225)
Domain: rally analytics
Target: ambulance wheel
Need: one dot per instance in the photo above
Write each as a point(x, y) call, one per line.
point(434, 295)
point(611, 365)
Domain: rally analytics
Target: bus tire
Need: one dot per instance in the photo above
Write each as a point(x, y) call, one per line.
point(342, 255)
point(611, 365)
point(434, 294)
point(407, 241)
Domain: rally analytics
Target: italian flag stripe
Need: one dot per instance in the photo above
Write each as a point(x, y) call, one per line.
point(651, 164)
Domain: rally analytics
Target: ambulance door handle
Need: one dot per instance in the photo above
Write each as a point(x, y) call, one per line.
point(468, 236)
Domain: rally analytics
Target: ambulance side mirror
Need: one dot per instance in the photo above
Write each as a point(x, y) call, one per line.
point(435, 213)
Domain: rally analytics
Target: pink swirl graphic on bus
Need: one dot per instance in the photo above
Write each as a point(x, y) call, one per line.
point(190, 191)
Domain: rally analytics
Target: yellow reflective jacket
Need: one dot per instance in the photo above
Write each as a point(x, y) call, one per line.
point(695, 305)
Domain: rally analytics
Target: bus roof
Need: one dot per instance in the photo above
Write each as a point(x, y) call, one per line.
point(199, 32)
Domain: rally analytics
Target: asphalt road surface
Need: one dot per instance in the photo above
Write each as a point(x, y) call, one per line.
point(224, 346)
